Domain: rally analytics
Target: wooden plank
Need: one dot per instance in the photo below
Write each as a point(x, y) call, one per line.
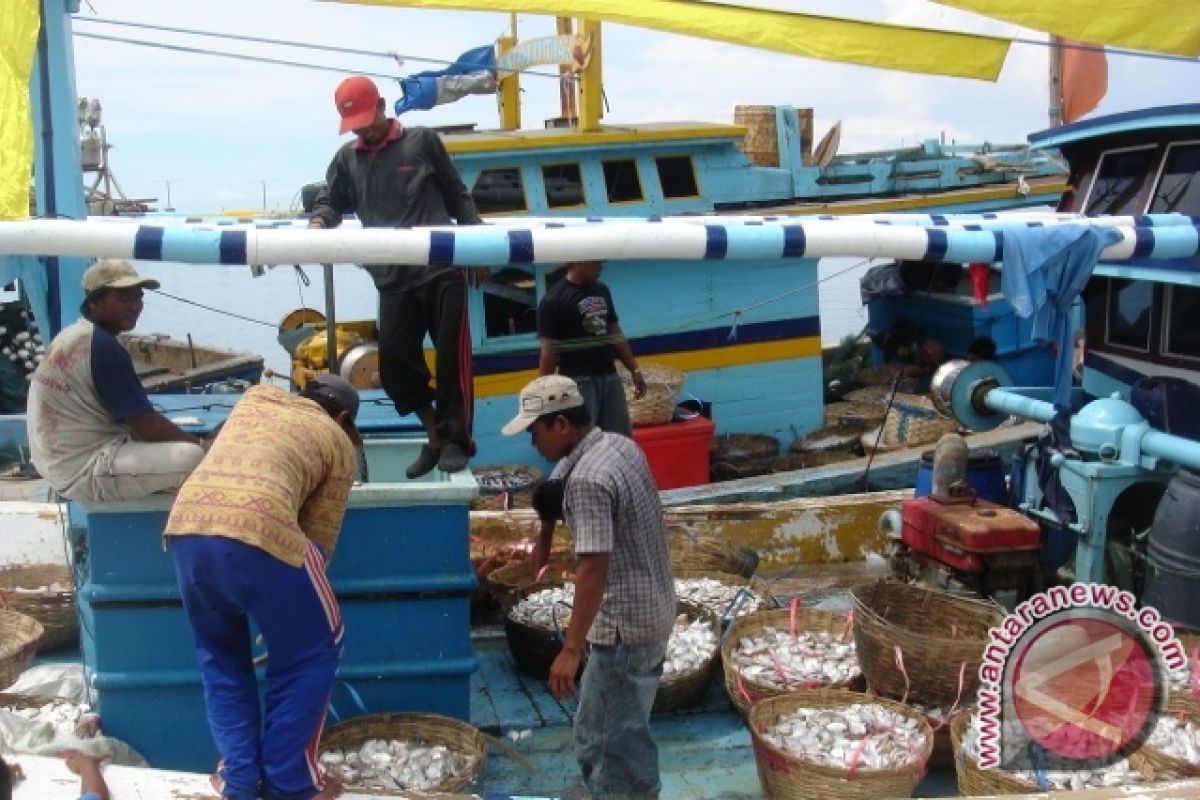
point(893, 470)
point(504, 700)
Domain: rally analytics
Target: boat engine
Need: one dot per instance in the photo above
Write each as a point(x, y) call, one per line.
point(952, 536)
point(303, 334)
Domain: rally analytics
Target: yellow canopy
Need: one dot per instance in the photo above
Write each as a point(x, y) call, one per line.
point(1160, 26)
point(18, 38)
point(875, 44)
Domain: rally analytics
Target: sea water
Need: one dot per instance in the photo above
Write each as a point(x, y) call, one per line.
point(230, 307)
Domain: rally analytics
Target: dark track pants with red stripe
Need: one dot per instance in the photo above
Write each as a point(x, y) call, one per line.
point(437, 307)
point(226, 584)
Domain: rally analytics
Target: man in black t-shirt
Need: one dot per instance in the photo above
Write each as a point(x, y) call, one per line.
point(580, 336)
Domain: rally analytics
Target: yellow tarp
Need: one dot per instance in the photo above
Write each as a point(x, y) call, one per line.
point(872, 44)
point(1160, 26)
point(18, 37)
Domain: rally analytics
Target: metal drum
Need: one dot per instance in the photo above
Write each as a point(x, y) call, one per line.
point(1173, 568)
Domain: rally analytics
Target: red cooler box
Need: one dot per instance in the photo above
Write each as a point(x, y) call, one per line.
point(677, 451)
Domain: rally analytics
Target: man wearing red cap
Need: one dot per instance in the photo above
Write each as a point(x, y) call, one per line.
point(393, 176)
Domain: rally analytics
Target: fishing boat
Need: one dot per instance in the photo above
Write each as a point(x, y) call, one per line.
point(704, 754)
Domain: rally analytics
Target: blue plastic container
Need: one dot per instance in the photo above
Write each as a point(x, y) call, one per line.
point(985, 474)
point(402, 574)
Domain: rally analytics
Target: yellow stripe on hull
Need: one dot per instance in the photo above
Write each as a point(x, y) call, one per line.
point(737, 355)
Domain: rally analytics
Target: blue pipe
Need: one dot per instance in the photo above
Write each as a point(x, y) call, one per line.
point(1157, 444)
point(1006, 402)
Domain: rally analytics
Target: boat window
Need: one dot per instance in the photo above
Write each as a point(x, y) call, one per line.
point(1129, 307)
point(1183, 321)
point(621, 180)
point(1120, 176)
point(1178, 189)
point(564, 185)
point(509, 303)
point(499, 190)
point(677, 177)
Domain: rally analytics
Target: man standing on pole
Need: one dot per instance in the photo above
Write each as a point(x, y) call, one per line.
point(393, 176)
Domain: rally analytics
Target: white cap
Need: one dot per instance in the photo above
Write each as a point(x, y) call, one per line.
point(543, 395)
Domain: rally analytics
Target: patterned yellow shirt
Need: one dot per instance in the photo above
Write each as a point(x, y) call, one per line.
point(280, 471)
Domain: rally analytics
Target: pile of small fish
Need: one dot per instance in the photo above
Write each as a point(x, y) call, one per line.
point(1058, 776)
point(936, 717)
point(1177, 738)
point(396, 764)
point(810, 658)
point(23, 347)
point(692, 643)
point(858, 736)
point(737, 601)
point(542, 608)
point(59, 713)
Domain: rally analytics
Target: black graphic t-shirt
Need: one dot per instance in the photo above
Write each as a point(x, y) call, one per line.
point(578, 318)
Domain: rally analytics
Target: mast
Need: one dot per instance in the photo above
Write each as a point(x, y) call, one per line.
point(1054, 65)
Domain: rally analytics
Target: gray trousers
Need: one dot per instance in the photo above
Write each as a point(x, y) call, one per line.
point(604, 396)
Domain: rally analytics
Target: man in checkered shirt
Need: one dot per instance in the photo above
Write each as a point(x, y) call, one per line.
point(624, 595)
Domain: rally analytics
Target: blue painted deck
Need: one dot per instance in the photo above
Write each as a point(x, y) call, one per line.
point(704, 752)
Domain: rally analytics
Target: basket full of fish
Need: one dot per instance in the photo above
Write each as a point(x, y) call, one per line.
point(1172, 750)
point(691, 658)
point(397, 754)
point(727, 595)
point(1058, 774)
point(785, 650)
point(505, 583)
point(838, 744)
point(921, 644)
point(535, 623)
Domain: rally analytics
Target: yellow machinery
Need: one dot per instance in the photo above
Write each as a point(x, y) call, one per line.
point(303, 333)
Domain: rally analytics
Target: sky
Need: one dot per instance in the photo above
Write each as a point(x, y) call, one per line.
point(224, 133)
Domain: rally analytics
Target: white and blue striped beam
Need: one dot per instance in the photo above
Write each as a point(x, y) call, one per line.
point(926, 237)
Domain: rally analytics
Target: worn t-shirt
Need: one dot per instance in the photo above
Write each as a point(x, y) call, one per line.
point(80, 398)
point(578, 317)
point(278, 475)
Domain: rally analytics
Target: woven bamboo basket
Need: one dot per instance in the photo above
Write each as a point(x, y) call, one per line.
point(741, 455)
point(942, 756)
point(740, 582)
point(912, 421)
point(831, 438)
point(504, 583)
point(55, 609)
point(657, 406)
point(935, 634)
point(687, 689)
point(786, 776)
point(20, 635)
point(423, 729)
point(533, 649)
point(1154, 764)
point(711, 552)
point(504, 486)
point(973, 780)
point(848, 414)
point(743, 692)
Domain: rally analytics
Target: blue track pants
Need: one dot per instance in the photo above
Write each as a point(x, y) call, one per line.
point(226, 584)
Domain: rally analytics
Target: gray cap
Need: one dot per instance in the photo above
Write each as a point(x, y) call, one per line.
point(336, 391)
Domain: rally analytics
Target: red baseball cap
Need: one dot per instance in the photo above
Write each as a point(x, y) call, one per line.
point(357, 100)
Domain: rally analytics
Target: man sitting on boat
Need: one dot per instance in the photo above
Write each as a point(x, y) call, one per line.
point(580, 338)
point(93, 433)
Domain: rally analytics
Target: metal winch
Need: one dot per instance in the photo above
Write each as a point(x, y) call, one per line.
point(1112, 471)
